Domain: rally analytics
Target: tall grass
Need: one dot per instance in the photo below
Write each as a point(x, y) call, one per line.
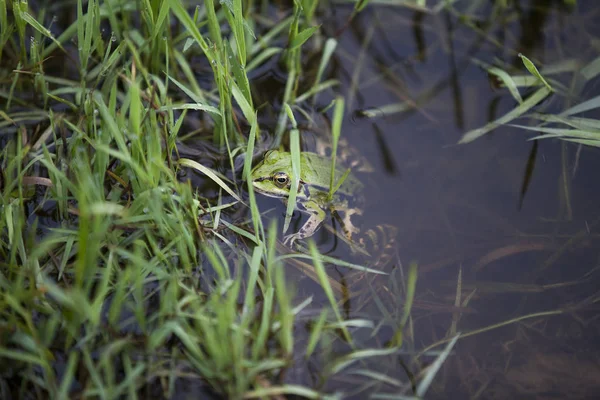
point(140, 281)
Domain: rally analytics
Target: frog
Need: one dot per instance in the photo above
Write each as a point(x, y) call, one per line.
point(273, 177)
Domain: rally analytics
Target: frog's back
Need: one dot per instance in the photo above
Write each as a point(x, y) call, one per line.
point(321, 166)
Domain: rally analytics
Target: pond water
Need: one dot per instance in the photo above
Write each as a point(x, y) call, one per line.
point(518, 220)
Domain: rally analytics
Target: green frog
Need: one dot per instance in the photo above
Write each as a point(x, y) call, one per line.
point(273, 177)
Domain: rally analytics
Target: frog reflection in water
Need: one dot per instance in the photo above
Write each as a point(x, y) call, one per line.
point(273, 177)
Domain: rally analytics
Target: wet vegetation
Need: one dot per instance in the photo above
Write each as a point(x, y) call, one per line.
point(137, 262)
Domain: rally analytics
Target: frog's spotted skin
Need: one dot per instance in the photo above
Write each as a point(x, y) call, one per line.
point(272, 177)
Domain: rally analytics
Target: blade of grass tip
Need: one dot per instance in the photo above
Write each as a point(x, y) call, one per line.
point(573, 122)
point(291, 203)
point(508, 82)
point(324, 282)
point(584, 106)
point(334, 261)
point(267, 54)
point(243, 102)
point(344, 361)
point(212, 254)
point(293, 31)
point(282, 391)
point(526, 81)
point(360, 5)
point(434, 368)
point(336, 129)
point(328, 49)
point(241, 78)
point(190, 26)
point(290, 115)
point(533, 70)
point(214, 27)
point(191, 106)
point(186, 69)
point(382, 378)
point(558, 132)
point(211, 174)
point(314, 90)
point(587, 142)
point(217, 214)
point(40, 28)
point(341, 180)
point(302, 37)
point(591, 70)
point(521, 109)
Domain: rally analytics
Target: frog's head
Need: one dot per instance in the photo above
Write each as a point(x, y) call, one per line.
point(272, 176)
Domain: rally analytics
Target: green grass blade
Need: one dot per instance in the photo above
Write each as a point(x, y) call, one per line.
point(302, 37)
point(517, 112)
point(324, 282)
point(296, 171)
point(211, 174)
point(434, 368)
point(534, 71)
point(336, 130)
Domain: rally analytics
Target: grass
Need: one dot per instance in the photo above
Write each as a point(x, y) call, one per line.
point(564, 125)
point(138, 281)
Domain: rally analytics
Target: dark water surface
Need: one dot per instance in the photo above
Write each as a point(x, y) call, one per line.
point(518, 219)
point(464, 207)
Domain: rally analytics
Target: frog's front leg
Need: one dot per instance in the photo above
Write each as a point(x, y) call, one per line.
point(317, 216)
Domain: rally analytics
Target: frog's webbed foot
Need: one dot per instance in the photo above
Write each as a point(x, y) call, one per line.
point(317, 215)
point(289, 240)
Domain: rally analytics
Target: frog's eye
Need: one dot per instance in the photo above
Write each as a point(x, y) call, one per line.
point(281, 179)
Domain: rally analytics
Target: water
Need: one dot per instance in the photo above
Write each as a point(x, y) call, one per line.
point(519, 221)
